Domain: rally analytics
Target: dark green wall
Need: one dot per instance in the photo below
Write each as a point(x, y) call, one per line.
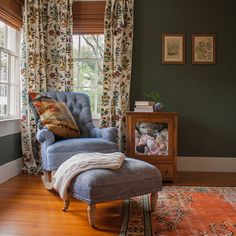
point(10, 148)
point(204, 95)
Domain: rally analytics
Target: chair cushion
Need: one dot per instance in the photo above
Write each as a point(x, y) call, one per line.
point(62, 150)
point(54, 115)
point(133, 178)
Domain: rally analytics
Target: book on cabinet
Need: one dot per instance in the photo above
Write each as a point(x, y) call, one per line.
point(144, 106)
point(144, 103)
point(137, 109)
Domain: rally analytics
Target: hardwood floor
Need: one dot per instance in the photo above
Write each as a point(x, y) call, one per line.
point(207, 179)
point(28, 209)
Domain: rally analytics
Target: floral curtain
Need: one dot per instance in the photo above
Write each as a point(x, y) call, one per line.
point(118, 35)
point(46, 63)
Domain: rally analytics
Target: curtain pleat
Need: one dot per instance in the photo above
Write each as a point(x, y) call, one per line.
point(46, 63)
point(118, 36)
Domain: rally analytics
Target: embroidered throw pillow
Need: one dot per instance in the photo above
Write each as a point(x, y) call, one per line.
point(33, 96)
point(54, 115)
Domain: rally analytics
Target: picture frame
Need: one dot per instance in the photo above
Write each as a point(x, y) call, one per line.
point(203, 49)
point(173, 49)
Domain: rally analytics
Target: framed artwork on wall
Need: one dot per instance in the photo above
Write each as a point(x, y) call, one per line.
point(203, 49)
point(173, 48)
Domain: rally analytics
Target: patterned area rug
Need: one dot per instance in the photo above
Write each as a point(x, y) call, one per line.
point(183, 211)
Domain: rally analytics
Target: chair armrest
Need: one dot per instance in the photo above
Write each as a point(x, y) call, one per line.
point(45, 136)
point(109, 133)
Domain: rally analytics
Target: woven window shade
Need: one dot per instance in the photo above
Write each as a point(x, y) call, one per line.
point(11, 12)
point(88, 17)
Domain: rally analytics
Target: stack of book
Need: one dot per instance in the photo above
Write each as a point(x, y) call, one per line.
point(144, 106)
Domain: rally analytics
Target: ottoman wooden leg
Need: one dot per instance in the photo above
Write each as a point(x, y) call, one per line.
point(153, 198)
point(92, 214)
point(47, 179)
point(66, 204)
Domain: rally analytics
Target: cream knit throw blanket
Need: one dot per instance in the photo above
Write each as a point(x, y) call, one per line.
point(82, 162)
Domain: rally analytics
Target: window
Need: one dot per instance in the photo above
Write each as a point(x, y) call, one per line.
point(88, 63)
point(9, 72)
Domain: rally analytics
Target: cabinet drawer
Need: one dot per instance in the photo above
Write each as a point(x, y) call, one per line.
point(167, 171)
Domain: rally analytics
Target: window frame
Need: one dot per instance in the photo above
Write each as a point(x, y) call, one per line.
point(78, 60)
point(12, 101)
point(88, 18)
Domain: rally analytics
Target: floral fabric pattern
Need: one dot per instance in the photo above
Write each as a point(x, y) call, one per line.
point(118, 36)
point(46, 63)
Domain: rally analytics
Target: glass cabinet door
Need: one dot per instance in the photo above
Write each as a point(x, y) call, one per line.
point(150, 137)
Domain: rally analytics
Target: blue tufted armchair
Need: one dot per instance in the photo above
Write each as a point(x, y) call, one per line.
point(92, 139)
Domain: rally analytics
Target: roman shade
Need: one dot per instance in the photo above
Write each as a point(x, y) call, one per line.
point(11, 12)
point(88, 17)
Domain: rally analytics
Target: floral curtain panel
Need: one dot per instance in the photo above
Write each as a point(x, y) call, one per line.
point(46, 63)
point(118, 34)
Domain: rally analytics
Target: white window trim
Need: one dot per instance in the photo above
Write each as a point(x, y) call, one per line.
point(9, 83)
point(96, 116)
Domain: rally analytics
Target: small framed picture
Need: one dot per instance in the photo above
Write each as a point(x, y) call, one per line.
point(203, 49)
point(173, 48)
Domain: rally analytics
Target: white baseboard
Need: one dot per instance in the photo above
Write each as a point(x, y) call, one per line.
point(206, 164)
point(198, 164)
point(10, 170)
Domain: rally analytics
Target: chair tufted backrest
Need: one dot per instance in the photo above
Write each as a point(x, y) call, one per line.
point(79, 105)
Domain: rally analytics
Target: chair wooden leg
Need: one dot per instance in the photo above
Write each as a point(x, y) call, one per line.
point(47, 179)
point(92, 214)
point(153, 198)
point(66, 204)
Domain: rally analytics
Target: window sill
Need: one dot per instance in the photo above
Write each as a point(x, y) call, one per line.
point(9, 126)
point(10, 119)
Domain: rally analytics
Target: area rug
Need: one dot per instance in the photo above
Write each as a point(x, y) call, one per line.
point(182, 211)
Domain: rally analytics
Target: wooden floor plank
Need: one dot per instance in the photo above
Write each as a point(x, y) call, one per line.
point(217, 179)
point(28, 209)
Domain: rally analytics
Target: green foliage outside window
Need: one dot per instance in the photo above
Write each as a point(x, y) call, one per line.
point(88, 59)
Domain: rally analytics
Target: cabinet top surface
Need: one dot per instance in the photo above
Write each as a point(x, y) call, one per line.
point(151, 113)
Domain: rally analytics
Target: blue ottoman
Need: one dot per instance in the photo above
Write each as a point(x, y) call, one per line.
point(133, 178)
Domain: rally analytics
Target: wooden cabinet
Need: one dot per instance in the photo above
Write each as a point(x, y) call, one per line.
point(152, 137)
